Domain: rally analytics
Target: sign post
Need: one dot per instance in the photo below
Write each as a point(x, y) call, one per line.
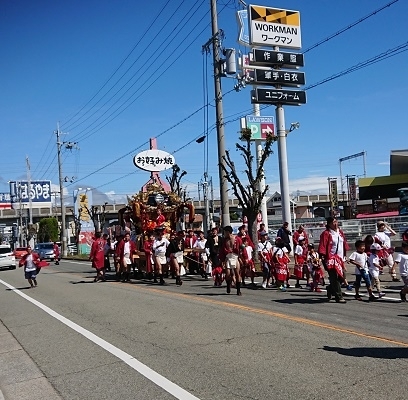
point(271, 27)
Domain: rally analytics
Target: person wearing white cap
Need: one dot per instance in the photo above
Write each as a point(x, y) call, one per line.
point(383, 237)
point(374, 267)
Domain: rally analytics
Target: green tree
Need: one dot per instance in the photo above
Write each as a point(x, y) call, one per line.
point(48, 230)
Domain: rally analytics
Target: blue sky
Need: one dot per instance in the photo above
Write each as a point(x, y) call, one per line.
point(57, 57)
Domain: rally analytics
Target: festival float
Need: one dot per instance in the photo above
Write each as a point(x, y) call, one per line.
point(157, 204)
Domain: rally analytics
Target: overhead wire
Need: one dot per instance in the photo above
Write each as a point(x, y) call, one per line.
point(350, 26)
point(138, 42)
point(135, 74)
point(120, 109)
point(263, 107)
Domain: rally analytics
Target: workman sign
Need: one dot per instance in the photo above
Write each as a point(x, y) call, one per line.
point(261, 127)
point(274, 27)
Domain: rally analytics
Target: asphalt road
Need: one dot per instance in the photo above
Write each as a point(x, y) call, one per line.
point(71, 338)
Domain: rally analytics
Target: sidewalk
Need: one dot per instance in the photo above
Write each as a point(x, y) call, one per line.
point(20, 378)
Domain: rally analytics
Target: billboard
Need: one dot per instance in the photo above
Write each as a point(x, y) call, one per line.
point(82, 206)
point(38, 191)
point(5, 201)
point(333, 197)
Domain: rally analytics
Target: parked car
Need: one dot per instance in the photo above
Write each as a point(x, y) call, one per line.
point(19, 252)
point(45, 251)
point(7, 258)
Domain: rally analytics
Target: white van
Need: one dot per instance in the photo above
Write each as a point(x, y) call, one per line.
point(7, 258)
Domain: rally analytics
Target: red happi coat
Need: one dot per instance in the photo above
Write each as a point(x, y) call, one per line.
point(332, 260)
point(147, 248)
point(97, 255)
point(281, 261)
point(299, 261)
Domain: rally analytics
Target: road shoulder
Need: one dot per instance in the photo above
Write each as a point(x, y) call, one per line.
point(20, 378)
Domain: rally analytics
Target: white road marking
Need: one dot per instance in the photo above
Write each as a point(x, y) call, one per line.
point(159, 380)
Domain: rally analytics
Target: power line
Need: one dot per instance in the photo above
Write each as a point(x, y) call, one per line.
point(139, 41)
point(380, 57)
point(130, 79)
point(350, 26)
point(249, 110)
point(118, 110)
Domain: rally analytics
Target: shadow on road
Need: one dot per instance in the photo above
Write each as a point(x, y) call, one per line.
point(20, 288)
point(390, 353)
point(302, 299)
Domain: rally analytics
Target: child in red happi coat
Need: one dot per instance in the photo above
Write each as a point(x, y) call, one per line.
point(300, 260)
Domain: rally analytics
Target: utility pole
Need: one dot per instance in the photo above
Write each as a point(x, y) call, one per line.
point(30, 206)
point(225, 215)
point(61, 184)
point(262, 184)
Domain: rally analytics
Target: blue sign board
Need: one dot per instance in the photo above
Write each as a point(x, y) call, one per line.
point(243, 36)
point(39, 192)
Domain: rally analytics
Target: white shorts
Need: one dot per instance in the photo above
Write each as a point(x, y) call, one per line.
point(126, 258)
point(231, 261)
point(161, 259)
point(179, 257)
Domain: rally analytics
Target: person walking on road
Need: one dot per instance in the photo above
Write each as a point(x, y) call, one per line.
point(57, 253)
point(229, 255)
point(265, 257)
point(159, 249)
point(382, 237)
point(284, 233)
point(97, 256)
point(359, 258)
point(125, 251)
point(374, 267)
point(176, 253)
point(402, 260)
point(332, 250)
point(30, 262)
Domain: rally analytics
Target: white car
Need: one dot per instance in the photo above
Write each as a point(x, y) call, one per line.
point(7, 258)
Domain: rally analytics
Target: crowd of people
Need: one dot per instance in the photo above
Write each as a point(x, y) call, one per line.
point(229, 258)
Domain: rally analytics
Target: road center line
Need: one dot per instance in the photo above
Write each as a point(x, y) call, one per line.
point(278, 315)
point(159, 380)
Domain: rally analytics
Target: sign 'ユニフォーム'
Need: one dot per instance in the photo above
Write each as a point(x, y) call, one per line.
point(274, 27)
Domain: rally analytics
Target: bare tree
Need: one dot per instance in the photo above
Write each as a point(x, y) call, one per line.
point(249, 196)
point(97, 215)
point(174, 181)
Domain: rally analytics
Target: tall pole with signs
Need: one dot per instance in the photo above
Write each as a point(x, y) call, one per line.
point(220, 117)
point(270, 27)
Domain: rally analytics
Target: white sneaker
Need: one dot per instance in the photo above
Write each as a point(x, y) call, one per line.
point(264, 285)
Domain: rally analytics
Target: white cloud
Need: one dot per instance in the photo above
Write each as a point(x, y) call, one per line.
point(311, 184)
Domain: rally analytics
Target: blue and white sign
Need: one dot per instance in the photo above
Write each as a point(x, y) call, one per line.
point(243, 37)
point(261, 127)
point(5, 200)
point(38, 191)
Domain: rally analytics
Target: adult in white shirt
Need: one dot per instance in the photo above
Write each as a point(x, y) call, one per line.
point(202, 255)
point(383, 238)
point(159, 248)
point(402, 260)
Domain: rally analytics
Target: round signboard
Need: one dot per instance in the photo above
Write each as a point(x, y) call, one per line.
point(153, 160)
point(159, 198)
